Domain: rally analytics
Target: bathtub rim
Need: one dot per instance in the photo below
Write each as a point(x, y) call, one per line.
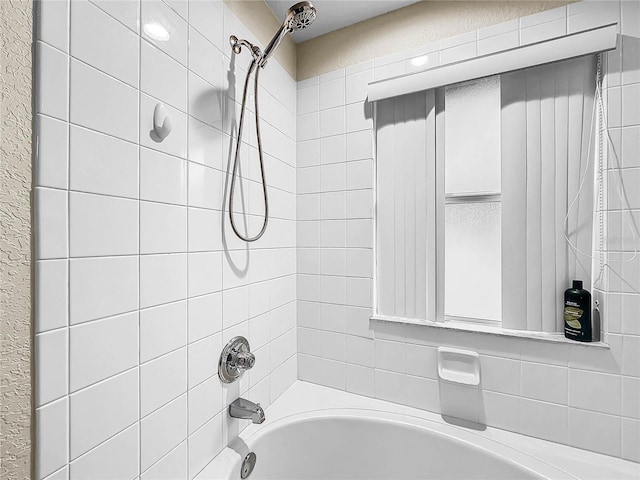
point(305, 398)
point(237, 448)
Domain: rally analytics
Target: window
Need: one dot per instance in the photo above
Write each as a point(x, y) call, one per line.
point(475, 192)
point(472, 171)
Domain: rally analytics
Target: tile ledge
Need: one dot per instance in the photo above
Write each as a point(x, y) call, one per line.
point(557, 338)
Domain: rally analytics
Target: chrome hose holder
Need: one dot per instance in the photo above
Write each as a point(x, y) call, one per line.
point(236, 357)
point(237, 44)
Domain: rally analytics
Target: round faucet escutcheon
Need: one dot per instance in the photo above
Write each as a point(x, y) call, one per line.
point(236, 357)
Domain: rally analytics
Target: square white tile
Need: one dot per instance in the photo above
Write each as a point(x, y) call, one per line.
point(162, 330)
point(52, 366)
point(235, 306)
point(204, 273)
point(163, 178)
point(101, 225)
point(163, 228)
point(332, 93)
point(162, 77)
point(125, 11)
point(164, 28)
point(162, 380)
point(161, 431)
point(93, 93)
point(102, 164)
point(51, 223)
point(205, 187)
point(52, 432)
point(205, 402)
point(102, 410)
point(101, 349)
point(205, 444)
point(205, 59)
point(207, 145)
point(204, 230)
point(332, 121)
point(51, 155)
point(99, 462)
point(173, 465)
point(115, 51)
point(51, 295)
point(203, 365)
point(207, 18)
point(101, 287)
point(163, 279)
point(53, 23)
point(52, 82)
point(207, 103)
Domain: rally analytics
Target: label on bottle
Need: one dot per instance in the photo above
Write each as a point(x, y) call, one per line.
point(572, 317)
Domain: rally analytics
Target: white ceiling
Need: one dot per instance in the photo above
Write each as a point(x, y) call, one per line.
point(335, 14)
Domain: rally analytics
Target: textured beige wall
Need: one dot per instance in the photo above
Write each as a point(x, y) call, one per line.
point(15, 237)
point(406, 28)
point(259, 18)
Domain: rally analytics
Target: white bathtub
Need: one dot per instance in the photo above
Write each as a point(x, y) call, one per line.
point(313, 432)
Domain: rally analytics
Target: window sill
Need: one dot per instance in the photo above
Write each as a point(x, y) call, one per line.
point(491, 330)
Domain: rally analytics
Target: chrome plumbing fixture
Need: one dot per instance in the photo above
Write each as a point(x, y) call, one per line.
point(246, 410)
point(236, 357)
point(248, 464)
point(299, 16)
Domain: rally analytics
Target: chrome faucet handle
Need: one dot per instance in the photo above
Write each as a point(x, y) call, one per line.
point(235, 358)
point(241, 360)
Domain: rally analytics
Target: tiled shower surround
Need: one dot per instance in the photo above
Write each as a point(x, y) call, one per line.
point(586, 397)
point(139, 280)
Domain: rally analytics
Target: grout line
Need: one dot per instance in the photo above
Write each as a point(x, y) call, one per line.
point(166, 455)
point(95, 447)
point(68, 57)
point(114, 18)
point(187, 185)
point(139, 151)
point(160, 202)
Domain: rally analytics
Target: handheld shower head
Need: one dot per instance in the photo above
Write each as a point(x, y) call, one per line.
point(299, 17)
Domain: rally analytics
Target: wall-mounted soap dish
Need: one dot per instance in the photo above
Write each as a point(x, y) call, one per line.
point(458, 366)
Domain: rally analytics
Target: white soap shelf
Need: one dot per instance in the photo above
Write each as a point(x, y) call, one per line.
point(459, 366)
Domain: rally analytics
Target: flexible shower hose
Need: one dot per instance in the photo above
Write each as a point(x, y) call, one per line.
point(252, 67)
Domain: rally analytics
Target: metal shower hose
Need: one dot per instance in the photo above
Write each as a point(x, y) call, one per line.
point(252, 67)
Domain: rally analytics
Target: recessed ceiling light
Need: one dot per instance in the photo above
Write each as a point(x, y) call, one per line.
point(419, 61)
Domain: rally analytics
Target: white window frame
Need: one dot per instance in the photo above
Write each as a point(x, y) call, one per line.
point(592, 41)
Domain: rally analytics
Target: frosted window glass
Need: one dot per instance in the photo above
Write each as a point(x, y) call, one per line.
point(472, 136)
point(473, 260)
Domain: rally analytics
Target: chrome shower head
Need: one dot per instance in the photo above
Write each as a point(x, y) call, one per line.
point(299, 17)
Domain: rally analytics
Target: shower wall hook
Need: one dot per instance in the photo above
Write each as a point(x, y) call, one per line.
point(161, 122)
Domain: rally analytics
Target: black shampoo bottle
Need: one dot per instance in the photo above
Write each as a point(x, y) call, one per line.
point(577, 313)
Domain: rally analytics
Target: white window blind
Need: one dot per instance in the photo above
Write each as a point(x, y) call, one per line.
point(405, 206)
point(516, 231)
point(547, 116)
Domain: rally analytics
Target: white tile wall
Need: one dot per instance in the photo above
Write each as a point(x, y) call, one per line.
point(565, 393)
point(137, 274)
point(134, 274)
point(102, 164)
point(98, 463)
